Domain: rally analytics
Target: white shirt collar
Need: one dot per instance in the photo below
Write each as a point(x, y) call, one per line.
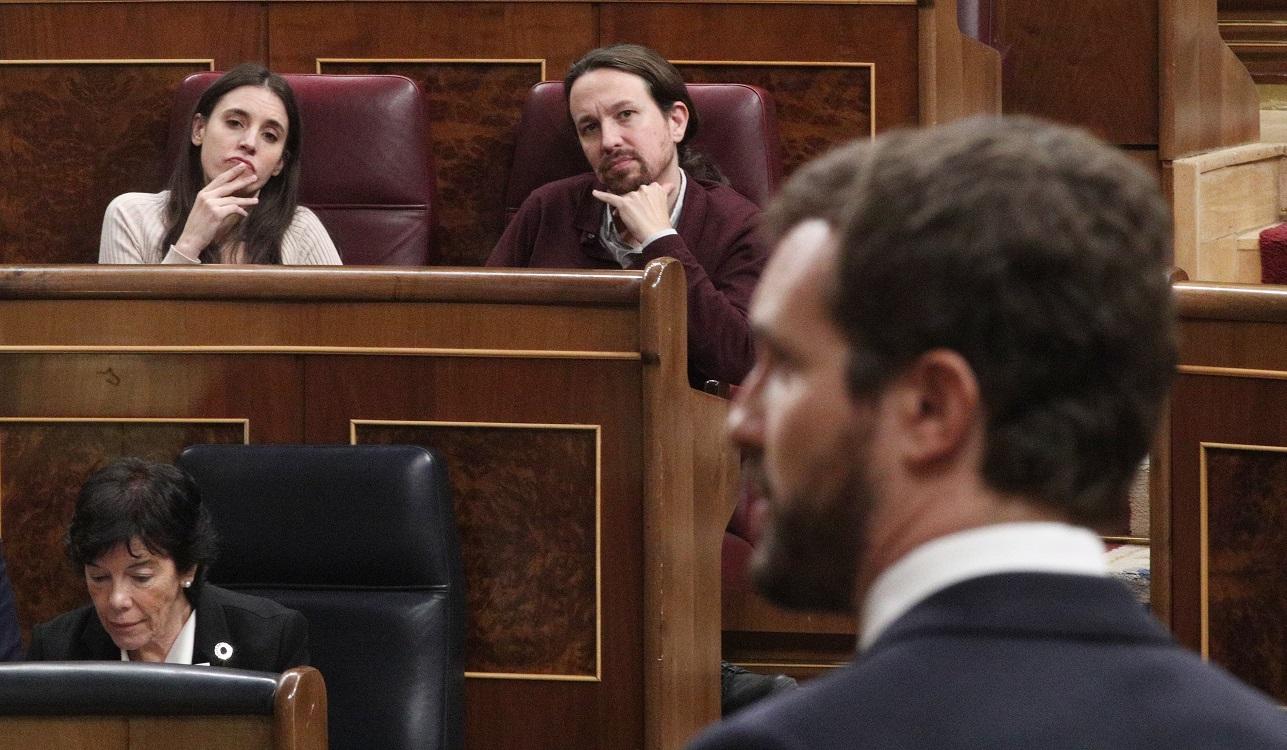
point(999, 548)
point(181, 649)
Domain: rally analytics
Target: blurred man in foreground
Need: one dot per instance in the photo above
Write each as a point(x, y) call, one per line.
point(965, 337)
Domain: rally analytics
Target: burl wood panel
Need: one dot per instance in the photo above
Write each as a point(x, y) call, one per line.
point(76, 135)
point(526, 509)
point(1247, 564)
point(473, 109)
point(42, 465)
point(818, 106)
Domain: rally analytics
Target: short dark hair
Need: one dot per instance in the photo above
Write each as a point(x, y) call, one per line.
point(1039, 254)
point(156, 503)
point(665, 85)
point(264, 229)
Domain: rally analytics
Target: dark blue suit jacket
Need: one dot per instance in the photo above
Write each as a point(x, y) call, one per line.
point(1022, 660)
point(10, 641)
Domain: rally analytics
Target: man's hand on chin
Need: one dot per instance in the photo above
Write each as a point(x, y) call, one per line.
point(644, 212)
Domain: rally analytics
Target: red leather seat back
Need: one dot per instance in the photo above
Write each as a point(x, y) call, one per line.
point(366, 169)
point(739, 132)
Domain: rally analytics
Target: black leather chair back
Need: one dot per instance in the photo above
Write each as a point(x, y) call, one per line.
point(91, 688)
point(362, 540)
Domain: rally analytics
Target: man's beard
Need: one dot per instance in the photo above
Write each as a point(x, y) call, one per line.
point(808, 556)
point(628, 182)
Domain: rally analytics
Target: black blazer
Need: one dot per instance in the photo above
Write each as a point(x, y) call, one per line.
point(1010, 661)
point(233, 630)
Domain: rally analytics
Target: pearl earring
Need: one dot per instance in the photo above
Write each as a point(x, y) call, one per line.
point(187, 584)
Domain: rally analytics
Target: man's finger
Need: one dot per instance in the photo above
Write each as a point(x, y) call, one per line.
point(612, 199)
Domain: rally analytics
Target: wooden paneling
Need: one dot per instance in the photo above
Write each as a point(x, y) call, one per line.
point(227, 32)
point(1208, 98)
point(1256, 31)
point(819, 106)
point(960, 74)
point(1221, 201)
point(1246, 568)
point(1093, 63)
point(301, 33)
point(42, 465)
point(76, 135)
point(90, 123)
point(593, 571)
point(883, 35)
point(1226, 510)
point(70, 732)
point(527, 507)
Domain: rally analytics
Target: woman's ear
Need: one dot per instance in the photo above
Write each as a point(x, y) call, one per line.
point(198, 129)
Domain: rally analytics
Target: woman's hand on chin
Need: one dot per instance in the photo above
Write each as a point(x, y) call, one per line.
point(216, 210)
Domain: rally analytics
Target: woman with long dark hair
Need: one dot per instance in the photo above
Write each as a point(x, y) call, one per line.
point(233, 198)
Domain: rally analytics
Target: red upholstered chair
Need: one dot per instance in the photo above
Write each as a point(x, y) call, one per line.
point(366, 168)
point(739, 132)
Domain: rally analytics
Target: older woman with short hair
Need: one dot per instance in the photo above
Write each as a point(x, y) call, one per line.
point(143, 539)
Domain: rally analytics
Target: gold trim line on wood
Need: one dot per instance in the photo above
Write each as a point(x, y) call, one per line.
point(408, 351)
point(1232, 372)
point(112, 61)
point(436, 423)
point(1143, 540)
point(754, 665)
point(532, 677)
point(1267, 43)
point(1203, 606)
point(871, 93)
point(170, 420)
point(598, 523)
point(319, 61)
point(1250, 23)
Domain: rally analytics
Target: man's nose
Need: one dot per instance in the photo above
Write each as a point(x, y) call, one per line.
point(611, 135)
point(745, 424)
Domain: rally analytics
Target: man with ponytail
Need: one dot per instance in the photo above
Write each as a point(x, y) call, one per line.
point(649, 196)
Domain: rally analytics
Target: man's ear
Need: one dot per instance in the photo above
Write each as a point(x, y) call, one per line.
point(938, 406)
point(198, 129)
point(677, 121)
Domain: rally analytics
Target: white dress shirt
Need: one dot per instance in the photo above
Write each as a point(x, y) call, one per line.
point(999, 548)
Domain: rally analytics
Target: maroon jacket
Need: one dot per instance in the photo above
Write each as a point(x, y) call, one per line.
point(718, 243)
